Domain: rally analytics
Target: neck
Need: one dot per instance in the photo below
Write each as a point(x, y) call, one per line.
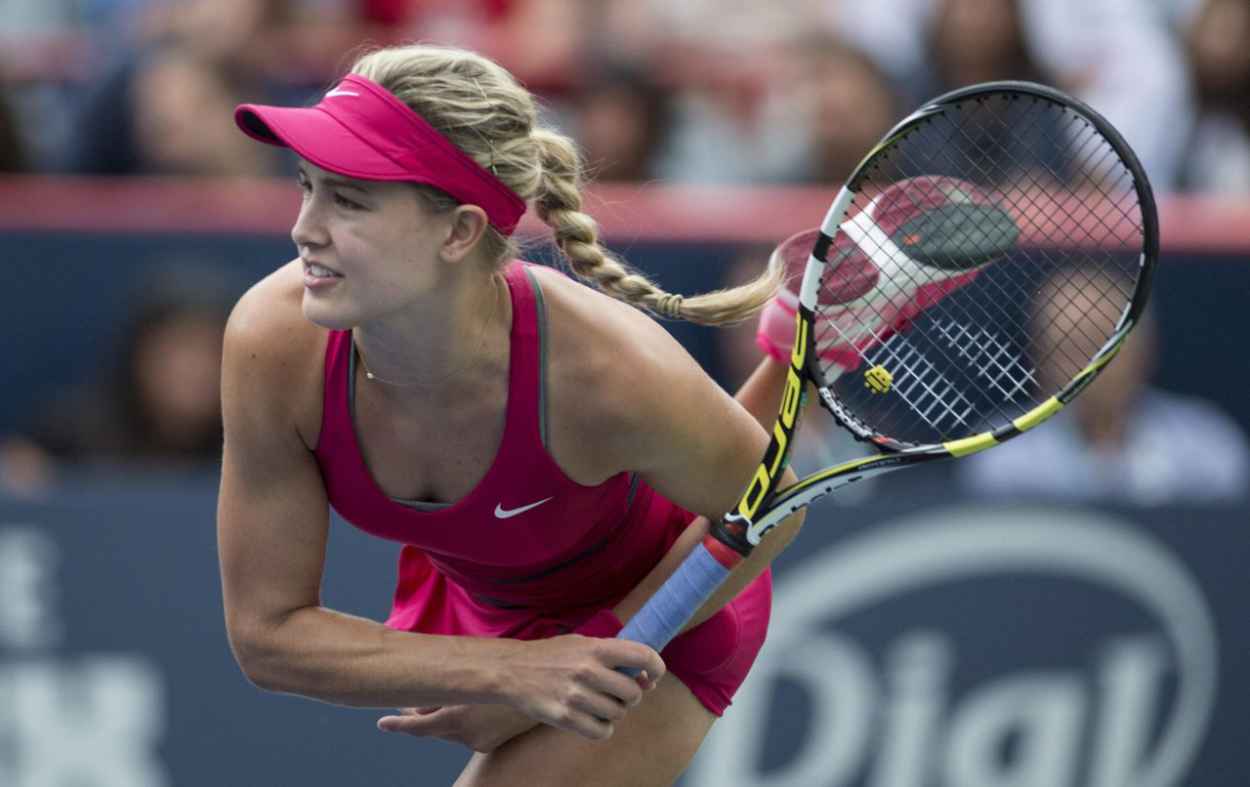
point(438, 340)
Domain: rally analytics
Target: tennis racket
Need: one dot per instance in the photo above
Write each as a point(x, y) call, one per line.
point(978, 269)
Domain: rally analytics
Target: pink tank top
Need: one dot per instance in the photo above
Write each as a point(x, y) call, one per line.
point(527, 535)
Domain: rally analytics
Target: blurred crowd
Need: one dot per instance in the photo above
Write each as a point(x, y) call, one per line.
point(697, 91)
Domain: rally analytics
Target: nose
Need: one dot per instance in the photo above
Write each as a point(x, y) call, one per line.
point(309, 229)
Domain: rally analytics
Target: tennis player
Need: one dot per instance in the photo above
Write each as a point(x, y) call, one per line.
point(545, 451)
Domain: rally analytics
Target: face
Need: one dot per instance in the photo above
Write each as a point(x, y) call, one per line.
point(1218, 50)
point(615, 134)
point(178, 376)
point(1072, 328)
point(977, 33)
point(183, 125)
point(370, 249)
point(853, 107)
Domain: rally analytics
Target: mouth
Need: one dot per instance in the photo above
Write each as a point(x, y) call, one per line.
point(319, 271)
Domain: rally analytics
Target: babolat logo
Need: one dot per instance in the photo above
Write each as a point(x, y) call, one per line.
point(783, 430)
point(976, 648)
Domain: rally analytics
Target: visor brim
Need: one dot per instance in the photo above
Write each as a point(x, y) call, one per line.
point(321, 139)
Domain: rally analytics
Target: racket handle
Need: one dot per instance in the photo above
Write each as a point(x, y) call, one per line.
point(681, 595)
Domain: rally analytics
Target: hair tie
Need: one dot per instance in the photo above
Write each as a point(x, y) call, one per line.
point(670, 305)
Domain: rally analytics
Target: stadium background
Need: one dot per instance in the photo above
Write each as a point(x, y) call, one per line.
point(926, 633)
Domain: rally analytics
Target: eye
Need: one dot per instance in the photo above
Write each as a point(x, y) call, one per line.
point(344, 202)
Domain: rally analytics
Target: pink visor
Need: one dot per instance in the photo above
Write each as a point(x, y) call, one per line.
point(363, 131)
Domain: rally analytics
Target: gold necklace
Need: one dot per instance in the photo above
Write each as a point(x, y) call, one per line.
point(369, 375)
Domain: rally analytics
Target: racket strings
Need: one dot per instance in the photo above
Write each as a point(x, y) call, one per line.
point(958, 406)
point(1085, 319)
point(937, 352)
point(992, 358)
point(922, 386)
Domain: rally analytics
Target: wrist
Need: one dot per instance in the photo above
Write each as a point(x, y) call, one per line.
point(491, 679)
point(775, 335)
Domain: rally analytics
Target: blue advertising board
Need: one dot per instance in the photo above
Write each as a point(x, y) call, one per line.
point(923, 642)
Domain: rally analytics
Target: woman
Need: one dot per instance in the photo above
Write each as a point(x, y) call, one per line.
point(537, 445)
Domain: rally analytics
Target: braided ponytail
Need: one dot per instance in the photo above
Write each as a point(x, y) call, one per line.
point(559, 205)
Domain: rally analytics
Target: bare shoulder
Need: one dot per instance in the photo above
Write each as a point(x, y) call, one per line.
point(614, 372)
point(273, 356)
point(604, 350)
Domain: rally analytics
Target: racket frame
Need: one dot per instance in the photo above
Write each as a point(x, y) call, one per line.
point(893, 454)
point(762, 506)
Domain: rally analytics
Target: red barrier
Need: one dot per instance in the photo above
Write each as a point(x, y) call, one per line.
point(626, 212)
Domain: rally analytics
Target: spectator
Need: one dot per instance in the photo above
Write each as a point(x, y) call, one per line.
point(978, 41)
point(159, 407)
point(541, 41)
point(166, 112)
point(806, 113)
point(12, 149)
point(975, 41)
point(622, 118)
point(182, 114)
point(839, 101)
point(1120, 56)
point(1217, 39)
point(194, 61)
point(1121, 440)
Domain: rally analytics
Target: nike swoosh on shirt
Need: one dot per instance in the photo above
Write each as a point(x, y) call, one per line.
point(508, 513)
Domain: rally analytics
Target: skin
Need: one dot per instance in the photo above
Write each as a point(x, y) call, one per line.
point(429, 313)
point(1069, 330)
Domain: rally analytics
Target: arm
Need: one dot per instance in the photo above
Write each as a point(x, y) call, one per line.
point(272, 526)
point(702, 448)
point(760, 396)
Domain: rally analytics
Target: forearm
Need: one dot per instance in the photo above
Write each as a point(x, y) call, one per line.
point(342, 659)
point(750, 568)
point(760, 395)
point(761, 558)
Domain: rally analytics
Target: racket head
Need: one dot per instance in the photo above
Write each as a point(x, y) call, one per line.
point(1012, 234)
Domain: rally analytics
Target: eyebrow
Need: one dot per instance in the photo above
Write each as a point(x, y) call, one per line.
point(331, 180)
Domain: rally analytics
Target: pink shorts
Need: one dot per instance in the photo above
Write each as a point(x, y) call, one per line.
point(712, 659)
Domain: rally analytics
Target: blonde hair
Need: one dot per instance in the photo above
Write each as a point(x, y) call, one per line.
point(481, 108)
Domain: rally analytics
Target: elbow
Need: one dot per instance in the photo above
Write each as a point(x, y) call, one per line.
point(260, 658)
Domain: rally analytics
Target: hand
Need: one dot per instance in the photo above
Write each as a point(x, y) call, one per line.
point(482, 728)
point(851, 276)
point(571, 682)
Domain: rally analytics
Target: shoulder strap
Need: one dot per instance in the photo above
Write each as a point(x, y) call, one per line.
point(526, 418)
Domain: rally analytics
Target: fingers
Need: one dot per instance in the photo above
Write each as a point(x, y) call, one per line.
point(574, 717)
point(592, 727)
point(644, 681)
point(413, 722)
point(606, 694)
point(632, 655)
point(616, 686)
point(602, 706)
point(572, 681)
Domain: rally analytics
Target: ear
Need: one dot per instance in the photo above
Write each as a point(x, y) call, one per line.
point(468, 224)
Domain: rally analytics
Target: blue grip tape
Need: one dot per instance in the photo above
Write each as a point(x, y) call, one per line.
point(676, 601)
